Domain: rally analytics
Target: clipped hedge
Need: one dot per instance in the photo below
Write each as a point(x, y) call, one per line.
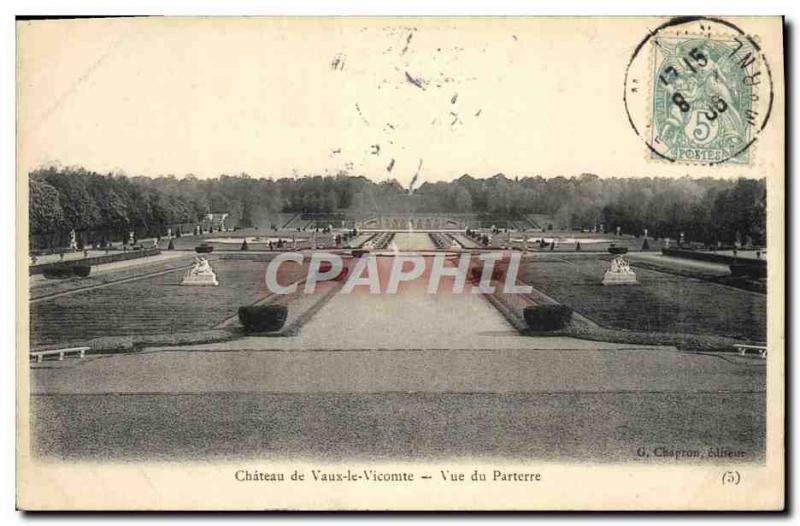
point(97, 260)
point(204, 249)
point(617, 250)
point(498, 272)
point(60, 272)
point(263, 318)
point(326, 266)
point(748, 269)
point(544, 318)
point(82, 271)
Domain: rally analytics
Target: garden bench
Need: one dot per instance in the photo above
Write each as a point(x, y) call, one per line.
point(39, 355)
point(744, 349)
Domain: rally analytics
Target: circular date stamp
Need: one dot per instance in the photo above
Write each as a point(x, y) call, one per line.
point(698, 90)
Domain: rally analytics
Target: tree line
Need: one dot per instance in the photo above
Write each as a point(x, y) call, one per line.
point(110, 205)
point(707, 210)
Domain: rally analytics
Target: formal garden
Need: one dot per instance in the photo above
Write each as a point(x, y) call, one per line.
point(660, 303)
point(154, 305)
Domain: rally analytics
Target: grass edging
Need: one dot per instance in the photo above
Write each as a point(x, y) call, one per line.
point(132, 343)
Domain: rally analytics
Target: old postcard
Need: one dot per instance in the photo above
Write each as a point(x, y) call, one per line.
point(400, 263)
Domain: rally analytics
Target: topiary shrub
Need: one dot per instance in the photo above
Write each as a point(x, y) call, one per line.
point(645, 245)
point(544, 318)
point(244, 245)
point(263, 318)
point(171, 245)
point(754, 270)
point(61, 272)
point(82, 271)
point(578, 246)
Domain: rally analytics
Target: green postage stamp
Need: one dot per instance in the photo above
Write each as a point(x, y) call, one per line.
point(701, 110)
point(710, 92)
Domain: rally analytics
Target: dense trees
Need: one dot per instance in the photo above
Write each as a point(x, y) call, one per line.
point(46, 214)
point(706, 210)
point(109, 206)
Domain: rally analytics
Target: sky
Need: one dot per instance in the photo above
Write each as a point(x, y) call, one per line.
point(381, 97)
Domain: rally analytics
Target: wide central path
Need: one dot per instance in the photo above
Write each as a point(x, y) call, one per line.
point(411, 318)
point(413, 241)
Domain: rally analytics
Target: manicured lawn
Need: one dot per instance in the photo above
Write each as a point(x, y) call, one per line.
point(150, 306)
point(661, 303)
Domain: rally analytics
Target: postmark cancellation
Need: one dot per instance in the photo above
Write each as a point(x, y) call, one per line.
point(708, 92)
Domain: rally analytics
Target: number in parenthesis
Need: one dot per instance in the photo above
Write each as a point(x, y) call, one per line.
point(731, 478)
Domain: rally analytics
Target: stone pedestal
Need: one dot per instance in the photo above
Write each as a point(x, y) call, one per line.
point(201, 274)
point(620, 273)
point(619, 278)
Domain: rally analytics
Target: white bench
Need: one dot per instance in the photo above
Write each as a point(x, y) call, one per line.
point(39, 355)
point(744, 349)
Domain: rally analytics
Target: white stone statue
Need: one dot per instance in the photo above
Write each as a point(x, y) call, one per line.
point(200, 274)
point(620, 273)
point(73, 242)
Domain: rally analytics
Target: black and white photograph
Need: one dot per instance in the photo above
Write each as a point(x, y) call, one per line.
point(373, 263)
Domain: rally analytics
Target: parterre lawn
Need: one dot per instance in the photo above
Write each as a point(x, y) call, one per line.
point(151, 306)
point(660, 303)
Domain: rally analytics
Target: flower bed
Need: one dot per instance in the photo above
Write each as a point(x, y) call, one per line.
point(98, 260)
